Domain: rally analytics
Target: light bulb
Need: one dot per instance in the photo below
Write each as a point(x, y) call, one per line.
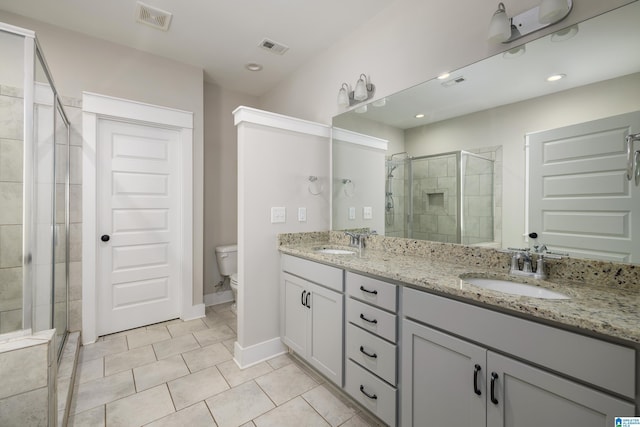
point(343, 96)
point(552, 11)
point(500, 26)
point(360, 92)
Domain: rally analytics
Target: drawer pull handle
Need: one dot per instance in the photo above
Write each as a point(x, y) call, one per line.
point(494, 378)
point(370, 396)
point(371, 355)
point(476, 371)
point(302, 297)
point(373, 292)
point(374, 321)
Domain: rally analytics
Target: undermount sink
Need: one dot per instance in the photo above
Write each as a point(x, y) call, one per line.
point(334, 251)
point(514, 288)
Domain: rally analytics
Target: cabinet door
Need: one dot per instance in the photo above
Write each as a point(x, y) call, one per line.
point(294, 322)
point(440, 377)
point(529, 397)
point(325, 350)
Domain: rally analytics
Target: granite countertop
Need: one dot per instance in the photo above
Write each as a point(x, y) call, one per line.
point(612, 312)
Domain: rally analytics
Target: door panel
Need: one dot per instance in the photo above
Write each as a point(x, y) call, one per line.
point(139, 202)
point(294, 325)
point(438, 379)
point(580, 200)
point(325, 349)
point(529, 397)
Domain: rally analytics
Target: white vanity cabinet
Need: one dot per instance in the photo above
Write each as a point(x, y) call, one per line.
point(448, 380)
point(371, 344)
point(312, 322)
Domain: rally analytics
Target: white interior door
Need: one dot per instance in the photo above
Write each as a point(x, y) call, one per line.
point(138, 181)
point(580, 200)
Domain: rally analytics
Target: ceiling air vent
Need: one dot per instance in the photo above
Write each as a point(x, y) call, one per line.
point(152, 16)
point(273, 47)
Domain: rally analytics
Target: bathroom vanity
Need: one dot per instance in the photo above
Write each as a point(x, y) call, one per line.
point(423, 347)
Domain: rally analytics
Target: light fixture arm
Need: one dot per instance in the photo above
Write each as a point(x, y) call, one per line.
point(528, 21)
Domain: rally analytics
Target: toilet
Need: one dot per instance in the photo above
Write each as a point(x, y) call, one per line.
point(227, 259)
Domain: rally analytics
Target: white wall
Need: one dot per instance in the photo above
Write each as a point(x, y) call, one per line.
point(220, 178)
point(273, 170)
point(508, 125)
point(409, 42)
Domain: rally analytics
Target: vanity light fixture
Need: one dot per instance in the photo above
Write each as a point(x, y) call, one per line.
point(379, 102)
point(503, 29)
point(363, 91)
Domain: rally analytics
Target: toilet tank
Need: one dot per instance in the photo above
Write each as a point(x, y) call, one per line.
point(227, 258)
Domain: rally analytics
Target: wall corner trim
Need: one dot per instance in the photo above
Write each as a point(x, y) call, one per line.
point(338, 134)
point(251, 115)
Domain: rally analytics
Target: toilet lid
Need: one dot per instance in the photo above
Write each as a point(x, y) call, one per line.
point(234, 278)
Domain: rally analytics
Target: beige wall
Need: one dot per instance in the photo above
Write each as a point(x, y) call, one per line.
point(409, 42)
point(220, 176)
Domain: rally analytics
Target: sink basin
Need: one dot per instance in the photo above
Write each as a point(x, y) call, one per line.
point(514, 288)
point(333, 251)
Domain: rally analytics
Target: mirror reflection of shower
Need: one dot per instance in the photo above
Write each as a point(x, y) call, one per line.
point(447, 197)
point(390, 203)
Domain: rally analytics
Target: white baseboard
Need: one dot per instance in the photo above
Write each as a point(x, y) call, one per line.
point(254, 354)
point(193, 312)
point(218, 298)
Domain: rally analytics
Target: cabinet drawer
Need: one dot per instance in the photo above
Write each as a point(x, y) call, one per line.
point(373, 291)
point(321, 274)
point(594, 361)
point(383, 362)
point(372, 319)
point(382, 397)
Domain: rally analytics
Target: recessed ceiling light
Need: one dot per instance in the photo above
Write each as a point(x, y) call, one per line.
point(556, 77)
point(443, 76)
point(252, 66)
point(419, 116)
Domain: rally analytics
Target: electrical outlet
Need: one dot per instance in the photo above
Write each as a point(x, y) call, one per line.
point(302, 214)
point(352, 213)
point(278, 215)
point(367, 212)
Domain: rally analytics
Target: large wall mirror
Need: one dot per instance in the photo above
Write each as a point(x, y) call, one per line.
point(457, 165)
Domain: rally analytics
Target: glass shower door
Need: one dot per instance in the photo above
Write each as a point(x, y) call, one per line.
point(60, 235)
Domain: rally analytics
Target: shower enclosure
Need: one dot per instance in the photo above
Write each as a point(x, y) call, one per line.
point(34, 192)
point(445, 197)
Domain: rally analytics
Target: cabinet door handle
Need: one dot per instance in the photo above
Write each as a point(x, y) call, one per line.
point(494, 378)
point(302, 297)
point(371, 355)
point(373, 292)
point(374, 321)
point(370, 396)
point(306, 301)
point(476, 371)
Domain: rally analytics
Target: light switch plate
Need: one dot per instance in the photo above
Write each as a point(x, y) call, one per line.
point(352, 213)
point(302, 214)
point(278, 215)
point(367, 212)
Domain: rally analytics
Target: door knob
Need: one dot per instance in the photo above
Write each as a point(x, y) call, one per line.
point(105, 238)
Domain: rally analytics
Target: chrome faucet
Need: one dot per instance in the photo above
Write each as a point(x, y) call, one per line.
point(356, 240)
point(541, 252)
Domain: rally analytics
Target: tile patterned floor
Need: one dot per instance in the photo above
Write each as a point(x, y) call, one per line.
point(182, 374)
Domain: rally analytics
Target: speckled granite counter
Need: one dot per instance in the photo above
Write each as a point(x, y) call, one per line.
point(593, 308)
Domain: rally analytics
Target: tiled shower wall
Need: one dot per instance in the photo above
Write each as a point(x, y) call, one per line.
point(11, 160)
point(11, 153)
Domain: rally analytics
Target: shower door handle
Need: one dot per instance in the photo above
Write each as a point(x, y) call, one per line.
point(105, 237)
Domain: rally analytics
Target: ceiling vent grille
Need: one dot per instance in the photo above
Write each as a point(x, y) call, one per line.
point(273, 47)
point(154, 17)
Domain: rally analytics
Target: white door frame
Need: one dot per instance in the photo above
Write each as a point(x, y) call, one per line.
point(95, 107)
